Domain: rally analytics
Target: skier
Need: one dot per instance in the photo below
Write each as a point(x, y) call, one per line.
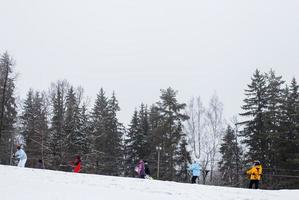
point(21, 156)
point(195, 168)
point(255, 174)
point(76, 164)
point(140, 169)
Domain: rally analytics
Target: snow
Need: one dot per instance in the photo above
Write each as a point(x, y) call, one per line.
point(35, 184)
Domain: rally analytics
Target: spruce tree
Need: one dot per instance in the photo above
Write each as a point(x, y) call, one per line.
point(34, 127)
point(107, 135)
point(255, 107)
point(170, 131)
point(7, 108)
point(99, 131)
point(287, 145)
point(273, 118)
point(183, 161)
point(58, 138)
point(131, 157)
point(230, 163)
point(72, 125)
point(113, 144)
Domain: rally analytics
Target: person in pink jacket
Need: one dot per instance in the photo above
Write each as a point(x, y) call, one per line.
point(140, 169)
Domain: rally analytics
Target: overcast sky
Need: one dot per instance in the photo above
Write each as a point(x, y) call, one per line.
point(137, 47)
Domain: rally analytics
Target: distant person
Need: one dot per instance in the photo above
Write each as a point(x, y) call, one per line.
point(76, 164)
point(140, 169)
point(21, 156)
point(195, 169)
point(255, 174)
point(40, 164)
point(147, 171)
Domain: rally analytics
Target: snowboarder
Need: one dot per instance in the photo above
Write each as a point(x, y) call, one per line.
point(255, 174)
point(76, 164)
point(195, 169)
point(140, 169)
point(21, 156)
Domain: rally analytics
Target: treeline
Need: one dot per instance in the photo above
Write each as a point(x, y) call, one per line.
point(58, 124)
point(269, 133)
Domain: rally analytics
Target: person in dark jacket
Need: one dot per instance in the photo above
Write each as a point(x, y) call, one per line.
point(146, 169)
point(40, 164)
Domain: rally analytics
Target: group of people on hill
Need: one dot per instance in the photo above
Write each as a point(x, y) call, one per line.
point(143, 170)
point(21, 156)
point(254, 173)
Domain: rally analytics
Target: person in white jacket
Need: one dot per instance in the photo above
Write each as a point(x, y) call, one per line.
point(21, 156)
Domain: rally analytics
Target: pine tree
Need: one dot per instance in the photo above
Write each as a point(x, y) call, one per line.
point(107, 135)
point(170, 131)
point(113, 144)
point(230, 163)
point(273, 118)
point(99, 123)
point(7, 108)
point(131, 157)
point(255, 105)
point(58, 138)
point(34, 127)
point(137, 140)
point(72, 125)
point(286, 148)
point(183, 161)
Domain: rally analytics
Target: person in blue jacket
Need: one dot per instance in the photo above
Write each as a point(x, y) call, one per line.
point(195, 169)
point(21, 156)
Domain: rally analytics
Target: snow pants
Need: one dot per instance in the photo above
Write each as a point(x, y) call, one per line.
point(255, 183)
point(193, 180)
point(22, 163)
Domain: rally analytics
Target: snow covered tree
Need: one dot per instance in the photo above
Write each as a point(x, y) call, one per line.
point(57, 137)
point(72, 125)
point(106, 135)
point(35, 127)
point(137, 140)
point(7, 108)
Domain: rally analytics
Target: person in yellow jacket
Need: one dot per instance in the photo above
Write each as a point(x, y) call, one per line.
point(255, 174)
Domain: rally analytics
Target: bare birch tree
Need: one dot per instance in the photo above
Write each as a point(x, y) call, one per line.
point(214, 132)
point(195, 125)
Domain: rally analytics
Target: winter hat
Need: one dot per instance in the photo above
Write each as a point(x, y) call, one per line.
point(257, 162)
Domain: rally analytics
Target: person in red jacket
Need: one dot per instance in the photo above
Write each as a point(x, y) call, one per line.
point(76, 164)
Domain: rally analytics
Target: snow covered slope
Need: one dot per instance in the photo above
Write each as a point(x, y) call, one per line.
point(32, 184)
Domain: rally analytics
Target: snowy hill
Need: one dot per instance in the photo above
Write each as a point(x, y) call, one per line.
point(32, 184)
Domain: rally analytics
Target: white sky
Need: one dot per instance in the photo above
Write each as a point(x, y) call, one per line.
point(137, 47)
